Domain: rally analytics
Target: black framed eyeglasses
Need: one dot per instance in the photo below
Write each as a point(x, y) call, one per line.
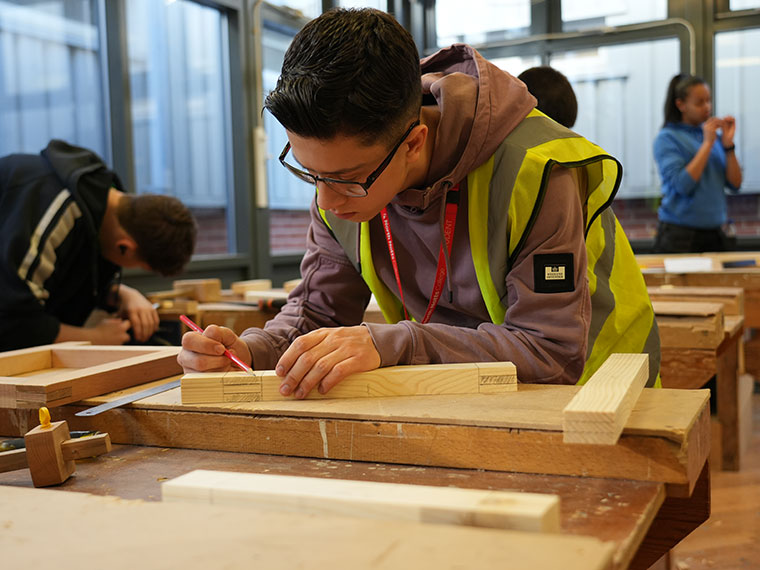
point(350, 188)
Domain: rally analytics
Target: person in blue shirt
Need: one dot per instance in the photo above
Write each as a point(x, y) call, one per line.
point(696, 158)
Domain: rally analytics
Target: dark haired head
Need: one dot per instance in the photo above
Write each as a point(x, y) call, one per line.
point(679, 89)
point(163, 229)
point(350, 72)
point(555, 95)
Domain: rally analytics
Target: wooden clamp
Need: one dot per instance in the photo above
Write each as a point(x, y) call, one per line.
point(50, 453)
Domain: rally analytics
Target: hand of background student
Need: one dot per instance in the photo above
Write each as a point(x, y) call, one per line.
point(139, 311)
point(205, 352)
point(324, 357)
point(728, 130)
point(710, 129)
point(110, 331)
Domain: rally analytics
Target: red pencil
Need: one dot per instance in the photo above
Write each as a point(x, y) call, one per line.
point(227, 353)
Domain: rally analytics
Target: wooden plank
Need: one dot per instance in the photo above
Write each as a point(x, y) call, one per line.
point(240, 287)
point(256, 296)
point(689, 325)
point(123, 367)
point(519, 431)
point(206, 536)
point(13, 460)
point(732, 298)
point(25, 360)
point(600, 410)
point(264, 385)
point(532, 512)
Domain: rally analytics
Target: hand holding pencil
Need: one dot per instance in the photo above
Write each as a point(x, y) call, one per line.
point(201, 353)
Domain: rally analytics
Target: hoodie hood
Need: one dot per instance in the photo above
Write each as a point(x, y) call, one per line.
point(479, 105)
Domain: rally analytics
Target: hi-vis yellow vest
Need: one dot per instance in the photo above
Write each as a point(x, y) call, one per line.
point(514, 179)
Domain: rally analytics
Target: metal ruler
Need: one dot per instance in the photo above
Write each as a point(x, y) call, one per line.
point(129, 399)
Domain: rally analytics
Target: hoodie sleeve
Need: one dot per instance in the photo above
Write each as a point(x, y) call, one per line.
point(331, 294)
point(672, 160)
point(544, 334)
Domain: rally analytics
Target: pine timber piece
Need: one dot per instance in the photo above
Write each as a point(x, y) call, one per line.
point(202, 290)
point(88, 446)
point(689, 325)
point(531, 512)
point(256, 296)
point(240, 287)
point(56, 374)
point(13, 460)
point(198, 537)
point(665, 440)
point(291, 284)
point(462, 378)
point(732, 298)
point(600, 409)
point(45, 456)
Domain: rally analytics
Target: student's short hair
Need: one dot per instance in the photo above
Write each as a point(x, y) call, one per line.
point(350, 72)
point(555, 95)
point(163, 228)
point(678, 88)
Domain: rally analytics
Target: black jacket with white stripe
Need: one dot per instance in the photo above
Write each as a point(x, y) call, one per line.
point(51, 271)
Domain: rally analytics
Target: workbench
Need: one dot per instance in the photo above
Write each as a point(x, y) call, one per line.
point(643, 507)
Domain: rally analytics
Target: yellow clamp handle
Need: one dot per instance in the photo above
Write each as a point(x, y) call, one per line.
point(44, 417)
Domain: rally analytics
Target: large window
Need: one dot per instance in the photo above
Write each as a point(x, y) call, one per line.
point(178, 61)
point(621, 92)
point(50, 77)
point(458, 21)
point(737, 82)
point(585, 14)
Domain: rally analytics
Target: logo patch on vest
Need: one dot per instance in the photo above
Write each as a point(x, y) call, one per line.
point(553, 273)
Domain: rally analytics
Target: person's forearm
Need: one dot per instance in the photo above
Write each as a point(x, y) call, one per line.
point(733, 170)
point(69, 332)
point(696, 167)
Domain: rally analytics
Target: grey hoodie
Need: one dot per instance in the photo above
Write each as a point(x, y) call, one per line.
point(545, 335)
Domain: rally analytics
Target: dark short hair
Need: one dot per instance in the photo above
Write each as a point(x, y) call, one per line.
point(555, 95)
point(678, 88)
point(163, 228)
point(351, 72)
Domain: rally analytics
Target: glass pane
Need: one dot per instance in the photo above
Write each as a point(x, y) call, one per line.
point(620, 91)
point(180, 110)
point(289, 197)
point(585, 14)
point(737, 80)
point(516, 64)
point(308, 8)
point(743, 4)
point(458, 21)
point(51, 85)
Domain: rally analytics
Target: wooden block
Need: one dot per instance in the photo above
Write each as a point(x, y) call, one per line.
point(240, 287)
point(195, 537)
point(236, 317)
point(45, 456)
point(203, 290)
point(531, 512)
point(689, 325)
point(732, 298)
point(88, 446)
point(600, 409)
point(463, 378)
point(745, 389)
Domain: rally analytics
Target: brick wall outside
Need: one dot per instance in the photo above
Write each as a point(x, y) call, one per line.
point(287, 231)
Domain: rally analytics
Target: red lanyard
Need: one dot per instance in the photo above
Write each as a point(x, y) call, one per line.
point(449, 224)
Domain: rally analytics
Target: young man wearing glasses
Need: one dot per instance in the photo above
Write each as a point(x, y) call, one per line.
point(453, 201)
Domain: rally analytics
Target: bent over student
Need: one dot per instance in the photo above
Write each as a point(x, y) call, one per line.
point(66, 229)
point(482, 227)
